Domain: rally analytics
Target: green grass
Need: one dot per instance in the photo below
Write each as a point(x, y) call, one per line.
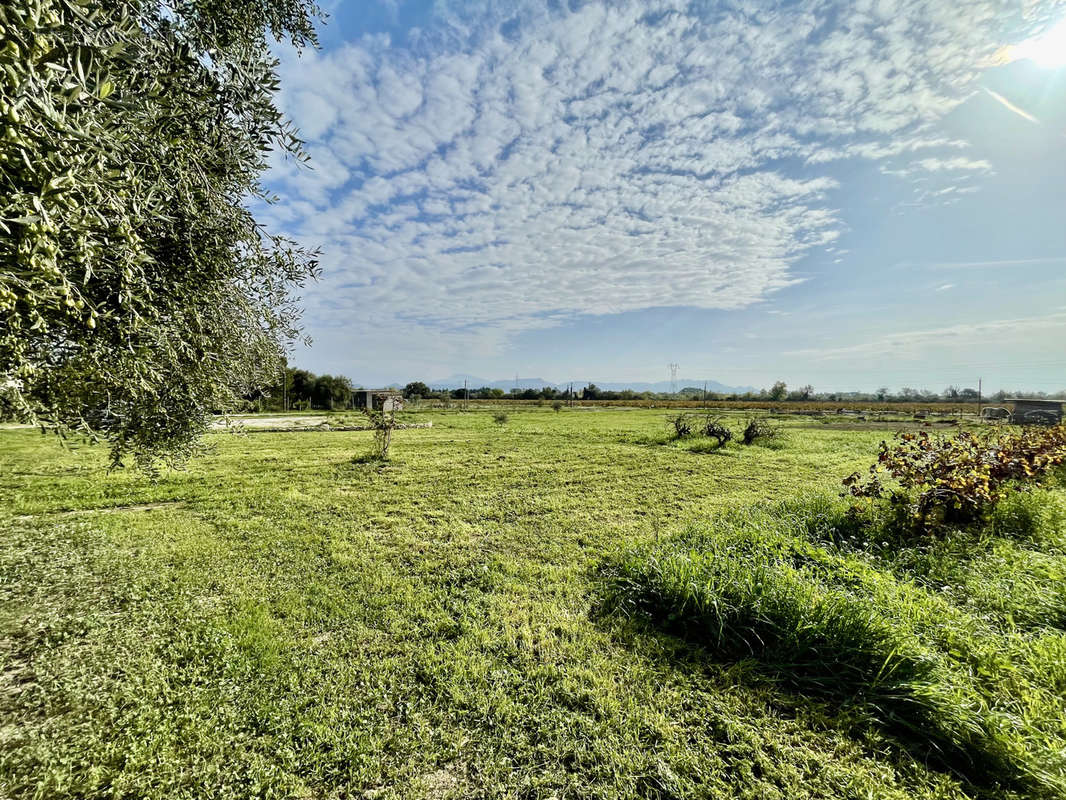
point(913, 639)
point(282, 620)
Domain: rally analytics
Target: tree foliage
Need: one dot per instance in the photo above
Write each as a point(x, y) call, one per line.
point(138, 293)
point(300, 388)
point(416, 389)
point(303, 386)
point(331, 391)
point(779, 391)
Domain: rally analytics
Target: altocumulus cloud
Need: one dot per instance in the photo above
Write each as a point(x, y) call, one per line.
point(504, 169)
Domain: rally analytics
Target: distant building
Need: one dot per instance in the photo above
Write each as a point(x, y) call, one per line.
point(995, 412)
point(377, 399)
point(1028, 411)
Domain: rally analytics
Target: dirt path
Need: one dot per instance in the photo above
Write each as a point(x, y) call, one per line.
point(285, 424)
point(104, 510)
point(268, 422)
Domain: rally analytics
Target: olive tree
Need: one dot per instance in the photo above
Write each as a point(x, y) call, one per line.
point(138, 293)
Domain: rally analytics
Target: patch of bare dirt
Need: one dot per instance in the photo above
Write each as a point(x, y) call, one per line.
point(298, 424)
point(249, 423)
point(439, 784)
point(105, 510)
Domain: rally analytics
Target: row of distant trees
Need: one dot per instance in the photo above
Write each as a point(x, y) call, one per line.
point(779, 392)
point(304, 390)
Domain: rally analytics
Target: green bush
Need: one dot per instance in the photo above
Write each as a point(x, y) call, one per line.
point(500, 417)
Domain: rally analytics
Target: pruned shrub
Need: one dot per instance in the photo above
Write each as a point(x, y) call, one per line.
point(683, 424)
point(961, 478)
point(758, 430)
point(383, 423)
point(714, 429)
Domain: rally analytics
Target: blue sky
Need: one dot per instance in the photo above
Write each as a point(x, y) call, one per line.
point(844, 194)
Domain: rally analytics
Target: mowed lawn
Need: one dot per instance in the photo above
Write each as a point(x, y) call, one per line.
point(284, 620)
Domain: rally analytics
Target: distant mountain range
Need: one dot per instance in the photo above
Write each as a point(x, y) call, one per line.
point(475, 382)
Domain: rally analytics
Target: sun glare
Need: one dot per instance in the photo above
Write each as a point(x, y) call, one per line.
point(1048, 50)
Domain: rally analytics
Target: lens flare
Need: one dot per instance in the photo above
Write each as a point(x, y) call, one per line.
point(1048, 50)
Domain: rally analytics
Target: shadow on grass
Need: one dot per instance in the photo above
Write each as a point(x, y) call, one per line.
point(646, 439)
point(706, 447)
point(698, 445)
point(370, 458)
point(363, 464)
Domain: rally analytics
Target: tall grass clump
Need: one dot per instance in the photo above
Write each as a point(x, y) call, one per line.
point(742, 604)
point(806, 593)
point(1038, 517)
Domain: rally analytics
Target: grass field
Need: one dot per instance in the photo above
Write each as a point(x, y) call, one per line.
point(284, 619)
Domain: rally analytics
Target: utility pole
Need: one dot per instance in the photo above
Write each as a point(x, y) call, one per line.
point(979, 388)
point(705, 394)
point(466, 396)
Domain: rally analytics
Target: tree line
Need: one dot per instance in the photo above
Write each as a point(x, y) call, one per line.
point(778, 392)
point(302, 389)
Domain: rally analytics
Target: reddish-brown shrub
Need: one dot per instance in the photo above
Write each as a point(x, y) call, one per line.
point(959, 478)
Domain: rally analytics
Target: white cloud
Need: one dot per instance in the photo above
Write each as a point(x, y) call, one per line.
point(998, 263)
point(930, 344)
point(957, 168)
point(608, 159)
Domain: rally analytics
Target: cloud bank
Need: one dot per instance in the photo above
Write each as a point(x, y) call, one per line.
point(503, 170)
